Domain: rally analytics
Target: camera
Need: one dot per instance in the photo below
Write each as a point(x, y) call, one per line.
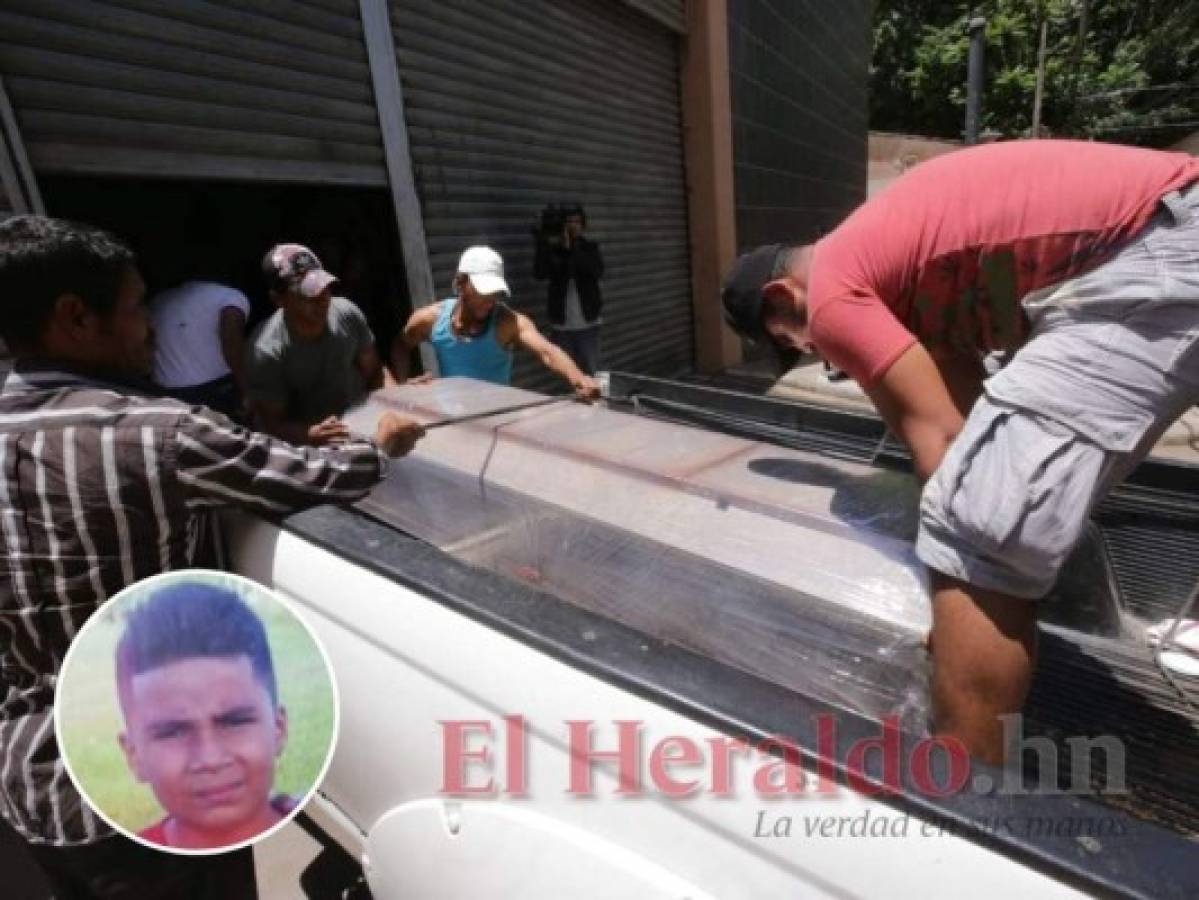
point(553, 220)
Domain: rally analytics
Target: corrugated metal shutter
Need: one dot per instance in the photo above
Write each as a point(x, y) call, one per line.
point(275, 90)
point(513, 104)
point(671, 13)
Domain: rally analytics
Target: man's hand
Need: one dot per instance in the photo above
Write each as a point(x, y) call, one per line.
point(396, 435)
point(331, 431)
point(424, 378)
point(916, 404)
point(519, 329)
point(586, 388)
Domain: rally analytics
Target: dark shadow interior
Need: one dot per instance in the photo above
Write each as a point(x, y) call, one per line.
point(219, 231)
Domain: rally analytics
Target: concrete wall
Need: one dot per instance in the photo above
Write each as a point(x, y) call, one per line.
point(799, 71)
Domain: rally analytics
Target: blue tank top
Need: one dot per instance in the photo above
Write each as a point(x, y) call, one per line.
point(479, 357)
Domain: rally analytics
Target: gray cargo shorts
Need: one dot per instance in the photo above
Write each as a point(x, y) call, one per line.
point(1112, 360)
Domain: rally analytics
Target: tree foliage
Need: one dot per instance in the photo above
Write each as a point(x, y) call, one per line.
point(1133, 76)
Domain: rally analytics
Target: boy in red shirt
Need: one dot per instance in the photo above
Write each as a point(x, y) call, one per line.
point(203, 722)
point(1081, 257)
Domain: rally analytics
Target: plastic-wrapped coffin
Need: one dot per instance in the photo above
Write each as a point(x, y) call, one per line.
point(779, 562)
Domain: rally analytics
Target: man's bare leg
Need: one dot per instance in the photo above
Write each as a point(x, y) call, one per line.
point(984, 647)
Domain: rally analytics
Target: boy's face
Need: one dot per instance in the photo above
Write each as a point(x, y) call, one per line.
point(203, 733)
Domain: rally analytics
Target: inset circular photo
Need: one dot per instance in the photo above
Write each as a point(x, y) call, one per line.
point(196, 712)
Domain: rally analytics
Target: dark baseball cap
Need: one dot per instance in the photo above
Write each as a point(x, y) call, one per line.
point(742, 298)
point(295, 266)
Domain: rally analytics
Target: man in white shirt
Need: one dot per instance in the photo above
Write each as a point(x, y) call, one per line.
point(199, 331)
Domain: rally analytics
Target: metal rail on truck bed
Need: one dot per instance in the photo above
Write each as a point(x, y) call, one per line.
point(1085, 685)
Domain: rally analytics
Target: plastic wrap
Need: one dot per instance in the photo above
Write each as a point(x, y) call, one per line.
point(793, 567)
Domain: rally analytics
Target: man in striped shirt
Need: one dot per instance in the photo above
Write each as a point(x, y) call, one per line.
point(102, 484)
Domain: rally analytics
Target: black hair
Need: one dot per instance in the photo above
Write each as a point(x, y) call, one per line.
point(41, 259)
point(574, 209)
point(189, 620)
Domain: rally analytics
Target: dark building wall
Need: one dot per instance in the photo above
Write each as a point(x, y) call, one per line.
point(799, 72)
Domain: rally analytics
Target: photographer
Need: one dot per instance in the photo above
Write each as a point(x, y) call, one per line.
point(573, 266)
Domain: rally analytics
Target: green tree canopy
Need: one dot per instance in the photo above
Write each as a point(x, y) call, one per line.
point(1133, 77)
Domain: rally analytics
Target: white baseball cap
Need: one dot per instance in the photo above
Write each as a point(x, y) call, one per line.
point(486, 270)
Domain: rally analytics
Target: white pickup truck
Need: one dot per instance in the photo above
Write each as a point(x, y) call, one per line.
point(533, 593)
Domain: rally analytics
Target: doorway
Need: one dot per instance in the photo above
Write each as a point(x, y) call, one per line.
point(219, 231)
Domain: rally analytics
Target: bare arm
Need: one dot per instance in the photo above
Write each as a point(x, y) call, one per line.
point(519, 329)
point(963, 373)
point(231, 328)
point(272, 418)
point(917, 405)
point(375, 375)
point(419, 328)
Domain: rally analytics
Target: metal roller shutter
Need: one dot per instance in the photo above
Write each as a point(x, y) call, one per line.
point(671, 13)
point(276, 90)
point(512, 104)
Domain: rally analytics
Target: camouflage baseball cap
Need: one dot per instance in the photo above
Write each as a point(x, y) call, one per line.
point(295, 267)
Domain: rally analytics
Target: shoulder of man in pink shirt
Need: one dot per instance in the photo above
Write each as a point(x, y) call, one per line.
point(854, 329)
point(864, 271)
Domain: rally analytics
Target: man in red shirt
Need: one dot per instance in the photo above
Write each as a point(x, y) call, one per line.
point(1083, 258)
